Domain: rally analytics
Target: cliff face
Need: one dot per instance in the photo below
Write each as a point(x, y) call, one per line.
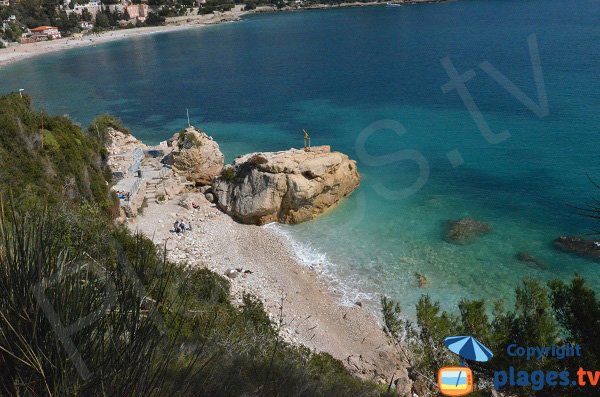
point(289, 187)
point(196, 156)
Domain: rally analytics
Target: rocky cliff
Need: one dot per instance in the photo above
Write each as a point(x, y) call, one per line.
point(196, 156)
point(289, 187)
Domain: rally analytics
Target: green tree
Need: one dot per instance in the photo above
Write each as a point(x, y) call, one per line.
point(102, 21)
point(154, 19)
point(86, 15)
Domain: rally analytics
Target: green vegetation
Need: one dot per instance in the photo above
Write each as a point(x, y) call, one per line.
point(89, 309)
point(543, 315)
point(33, 13)
point(215, 5)
point(228, 174)
point(49, 159)
point(100, 125)
point(187, 140)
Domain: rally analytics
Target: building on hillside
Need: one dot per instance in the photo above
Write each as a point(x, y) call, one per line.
point(45, 33)
point(139, 12)
point(92, 6)
point(85, 25)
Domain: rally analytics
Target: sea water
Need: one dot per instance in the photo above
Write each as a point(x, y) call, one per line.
point(369, 82)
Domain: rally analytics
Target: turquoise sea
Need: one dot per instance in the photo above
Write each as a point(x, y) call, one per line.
point(255, 84)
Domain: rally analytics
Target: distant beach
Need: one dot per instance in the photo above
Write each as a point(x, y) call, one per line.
point(18, 52)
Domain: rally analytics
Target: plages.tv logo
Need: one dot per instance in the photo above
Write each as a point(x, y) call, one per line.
point(458, 381)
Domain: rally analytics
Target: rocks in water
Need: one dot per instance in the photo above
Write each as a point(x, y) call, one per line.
point(579, 246)
point(289, 187)
point(421, 280)
point(196, 156)
point(463, 231)
point(530, 259)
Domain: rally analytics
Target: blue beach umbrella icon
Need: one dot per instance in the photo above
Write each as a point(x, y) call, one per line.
point(468, 348)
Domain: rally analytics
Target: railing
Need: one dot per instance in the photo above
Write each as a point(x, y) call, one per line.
point(136, 187)
point(138, 155)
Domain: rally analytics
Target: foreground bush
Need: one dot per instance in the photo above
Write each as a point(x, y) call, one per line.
point(89, 309)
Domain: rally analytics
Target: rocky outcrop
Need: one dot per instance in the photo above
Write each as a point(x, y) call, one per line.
point(463, 231)
point(195, 156)
point(117, 142)
point(579, 246)
point(530, 260)
point(289, 187)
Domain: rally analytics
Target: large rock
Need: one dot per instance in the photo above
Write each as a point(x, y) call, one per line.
point(117, 142)
point(196, 156)
point(288, 187)
point(579, 246)
point(463, 231)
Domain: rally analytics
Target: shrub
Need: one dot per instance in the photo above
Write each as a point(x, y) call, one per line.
point(101, 124)
point(228, 173)
point(187, 140)
point(31, 172)
point(52, 277)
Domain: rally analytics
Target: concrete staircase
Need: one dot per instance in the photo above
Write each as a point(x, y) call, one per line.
point(153, 186)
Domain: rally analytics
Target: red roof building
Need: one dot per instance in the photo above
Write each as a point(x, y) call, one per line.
point(45, 33)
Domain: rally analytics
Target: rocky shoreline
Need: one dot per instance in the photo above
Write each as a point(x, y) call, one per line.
point(182, 177)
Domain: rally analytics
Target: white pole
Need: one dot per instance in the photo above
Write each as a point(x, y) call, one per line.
point(188, 117)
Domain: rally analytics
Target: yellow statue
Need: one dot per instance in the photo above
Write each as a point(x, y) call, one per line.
point(306, 139)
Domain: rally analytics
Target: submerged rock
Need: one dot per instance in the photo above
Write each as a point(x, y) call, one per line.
point(579, 246)
point(291, 186)
point(530, 259)
point(195, 156)
point(464, 230)
point(421, 280)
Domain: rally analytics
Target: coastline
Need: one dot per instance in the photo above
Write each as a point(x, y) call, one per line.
point(258, 261)
point(19, 52)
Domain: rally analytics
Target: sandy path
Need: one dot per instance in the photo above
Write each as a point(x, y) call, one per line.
point(312, 316)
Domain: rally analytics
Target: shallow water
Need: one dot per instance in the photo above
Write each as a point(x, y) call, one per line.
point(254, 85)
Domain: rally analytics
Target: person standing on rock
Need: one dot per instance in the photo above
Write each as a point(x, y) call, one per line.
point(306, 139)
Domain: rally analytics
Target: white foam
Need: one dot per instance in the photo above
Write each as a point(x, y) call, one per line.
point(348, 289)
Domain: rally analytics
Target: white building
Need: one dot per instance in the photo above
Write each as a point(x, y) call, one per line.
point(85, 25)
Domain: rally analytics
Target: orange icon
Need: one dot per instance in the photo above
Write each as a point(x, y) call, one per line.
point(455, 381)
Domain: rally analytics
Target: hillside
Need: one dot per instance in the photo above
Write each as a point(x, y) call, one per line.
point(49, 158)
